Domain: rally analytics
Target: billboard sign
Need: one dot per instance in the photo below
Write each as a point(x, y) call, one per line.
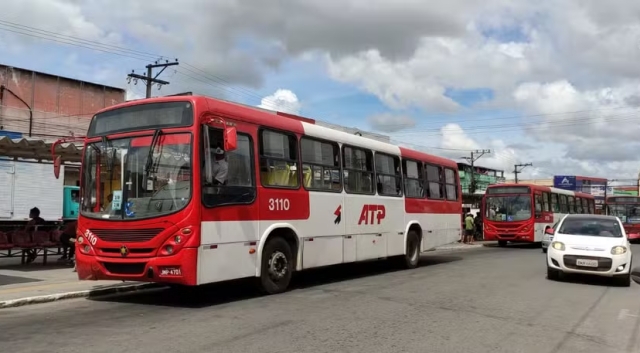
point(567, 182)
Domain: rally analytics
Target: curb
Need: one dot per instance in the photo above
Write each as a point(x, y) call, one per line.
point(461, 247)
point(77, 294)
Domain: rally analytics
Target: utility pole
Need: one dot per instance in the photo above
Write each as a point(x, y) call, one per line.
point(149, 79)
point(475, 155)
point(516, 171)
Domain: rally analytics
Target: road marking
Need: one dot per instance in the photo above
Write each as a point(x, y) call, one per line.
point(625, 313)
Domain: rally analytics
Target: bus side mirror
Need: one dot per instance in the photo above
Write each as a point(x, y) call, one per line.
point(57, 162)
point(549, 231)
point(635, 274)
point(230, 139)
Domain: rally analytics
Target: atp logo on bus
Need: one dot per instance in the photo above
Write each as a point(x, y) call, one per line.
point(371, 213)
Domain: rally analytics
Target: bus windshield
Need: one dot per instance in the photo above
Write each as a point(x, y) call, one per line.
point(123, 179)
point(508, 208)
point(629, 213)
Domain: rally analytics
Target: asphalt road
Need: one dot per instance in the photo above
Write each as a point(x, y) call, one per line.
point(481, 300)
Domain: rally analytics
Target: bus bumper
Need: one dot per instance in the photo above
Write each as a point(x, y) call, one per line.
point(180, 268)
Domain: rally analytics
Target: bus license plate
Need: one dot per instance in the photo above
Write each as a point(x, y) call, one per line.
point(587, 263)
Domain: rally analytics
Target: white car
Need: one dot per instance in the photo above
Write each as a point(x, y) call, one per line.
point(592, 245)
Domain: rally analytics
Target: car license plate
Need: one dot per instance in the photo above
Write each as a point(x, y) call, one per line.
point(587, 263)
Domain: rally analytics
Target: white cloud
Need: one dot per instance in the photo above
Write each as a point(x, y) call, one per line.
point(283, 100)
point(541, 58)
point(132, 95)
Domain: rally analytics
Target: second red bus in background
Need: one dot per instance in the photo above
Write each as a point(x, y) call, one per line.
point(521, 212)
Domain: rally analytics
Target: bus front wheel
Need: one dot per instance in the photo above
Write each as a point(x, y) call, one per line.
point(277, 266)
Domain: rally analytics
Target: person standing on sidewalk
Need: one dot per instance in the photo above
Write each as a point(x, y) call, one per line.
point(67, 238)
point(469, 227)
point(478, 235)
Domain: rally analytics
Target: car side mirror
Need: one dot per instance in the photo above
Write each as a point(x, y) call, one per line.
point(635, 274)
point(549, 231)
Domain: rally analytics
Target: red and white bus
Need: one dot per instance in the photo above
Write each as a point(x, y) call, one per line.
point(158, 207)
point(522, 212)
point(627, 208)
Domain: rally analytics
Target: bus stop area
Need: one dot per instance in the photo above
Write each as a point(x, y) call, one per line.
point(29, 266)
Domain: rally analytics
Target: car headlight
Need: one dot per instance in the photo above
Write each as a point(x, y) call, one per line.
point(618, 250)
point(557, 245)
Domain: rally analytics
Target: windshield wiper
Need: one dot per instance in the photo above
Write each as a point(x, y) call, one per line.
point(149, 163)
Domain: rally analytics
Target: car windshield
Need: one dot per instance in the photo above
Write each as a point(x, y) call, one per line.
point(626, 213)
point(508, 208)
point(595, 227)
point(123, 180)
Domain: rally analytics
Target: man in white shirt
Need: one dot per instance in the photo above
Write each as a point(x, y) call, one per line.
point(220, 167)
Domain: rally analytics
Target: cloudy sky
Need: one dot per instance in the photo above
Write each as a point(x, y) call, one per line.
point(553, 83)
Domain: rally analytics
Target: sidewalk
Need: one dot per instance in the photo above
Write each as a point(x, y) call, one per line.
point(35, 283)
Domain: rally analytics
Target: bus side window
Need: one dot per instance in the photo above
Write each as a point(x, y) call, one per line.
point(585, 206)
point(451, 185)
point(564, 207)
point(538, 203)
point(278, 160)
point(555, 203)
point(434, 182)
point(239, 187)
point(357, 170)
point(546, 206)
point(320, 165)
point(413, 179)
point(579, 205)
point(388, 175)
point(571, 202)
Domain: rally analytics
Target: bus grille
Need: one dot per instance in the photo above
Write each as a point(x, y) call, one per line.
point(126, 235)
point(125, 269)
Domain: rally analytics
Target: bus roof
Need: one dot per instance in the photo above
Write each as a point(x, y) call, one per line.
point(544, 188)
point(293, 123)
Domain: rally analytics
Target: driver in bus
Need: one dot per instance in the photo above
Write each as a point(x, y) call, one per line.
point(220, 167)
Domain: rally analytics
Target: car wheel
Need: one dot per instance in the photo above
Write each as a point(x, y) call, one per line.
point(544, 250)
point(552, 274)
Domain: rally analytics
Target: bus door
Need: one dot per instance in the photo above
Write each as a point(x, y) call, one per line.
point(541, 216)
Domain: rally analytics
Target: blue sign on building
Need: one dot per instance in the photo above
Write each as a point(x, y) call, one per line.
point(10, 134)
point(567, 182)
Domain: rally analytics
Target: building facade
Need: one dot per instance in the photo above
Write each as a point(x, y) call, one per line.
point(46, 106)
point(483, 178)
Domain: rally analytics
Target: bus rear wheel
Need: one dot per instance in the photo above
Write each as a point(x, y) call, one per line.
point(277, 266)
point(412, 256)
